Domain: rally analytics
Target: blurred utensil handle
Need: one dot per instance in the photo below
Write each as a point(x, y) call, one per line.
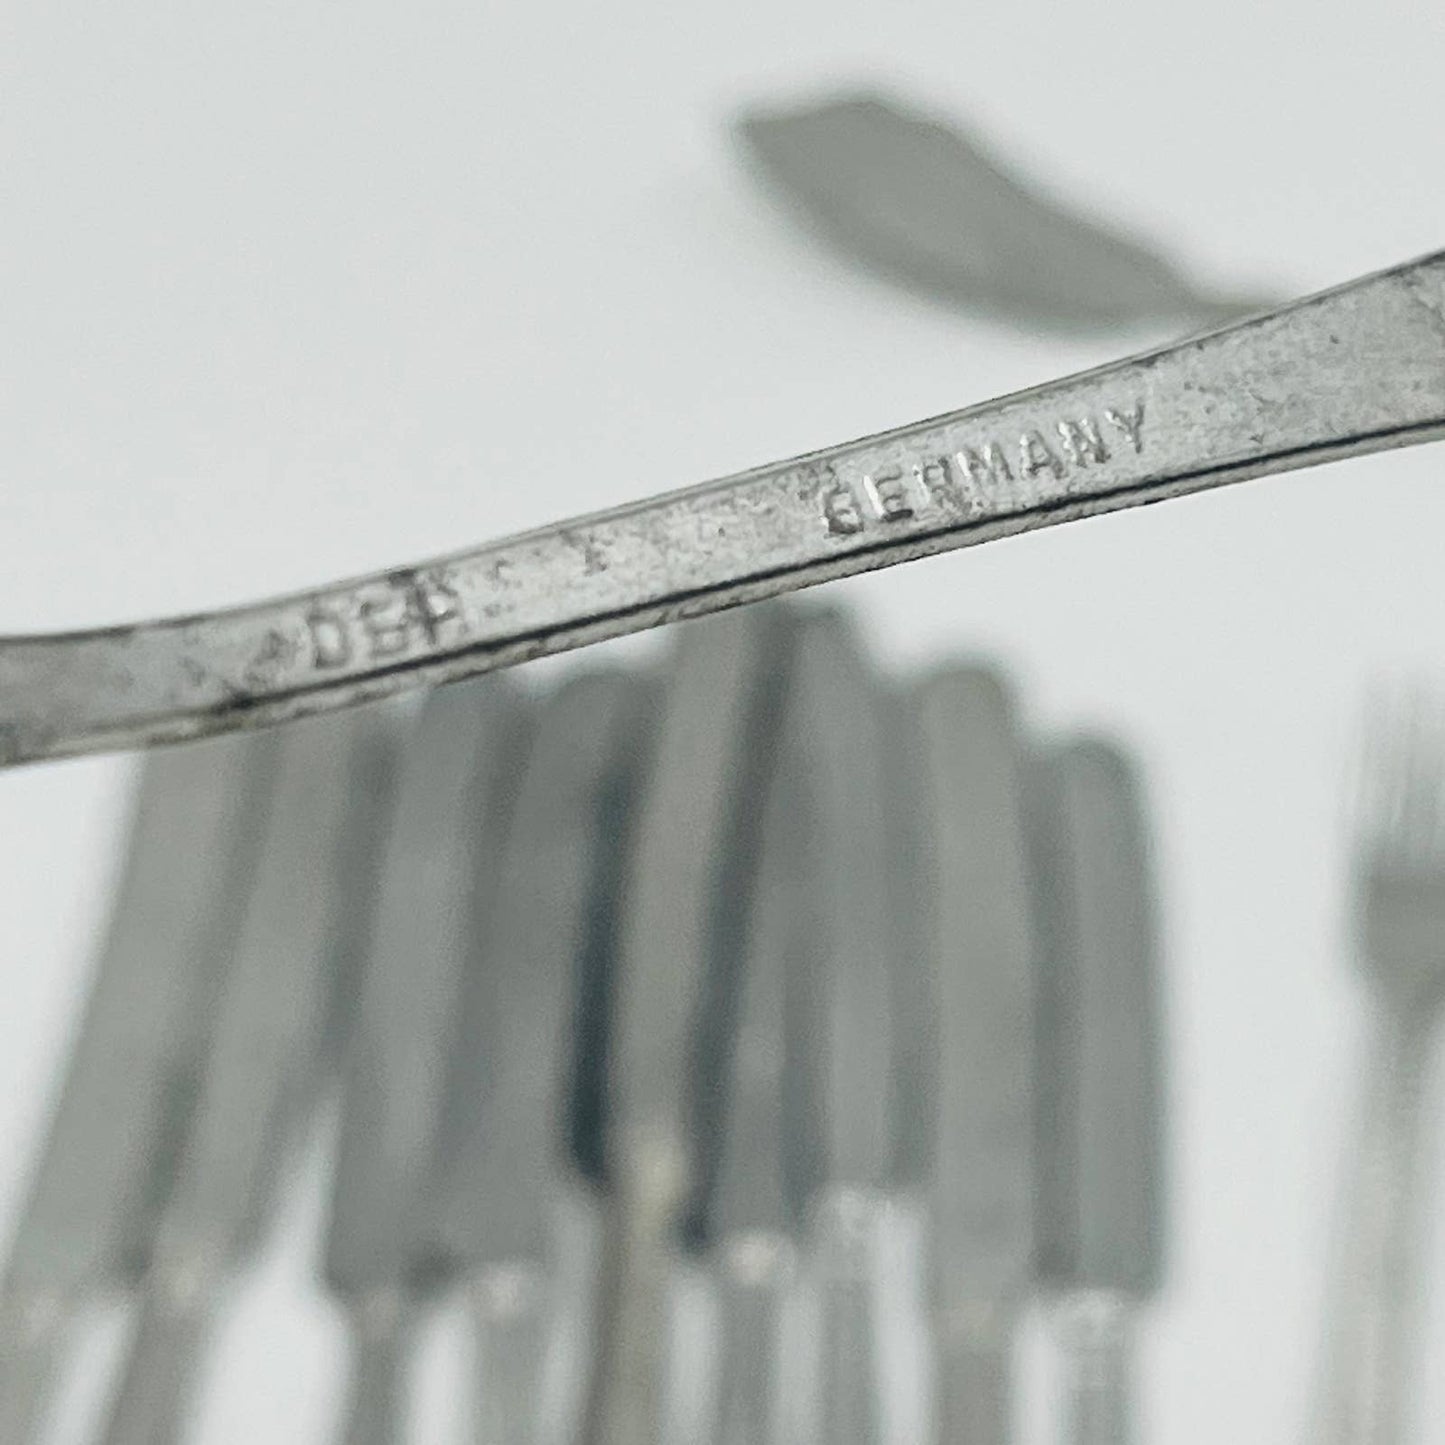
point(1354, 370)
point(33, 1336)
point(973, 1382)
point(153, 1401)
point(1097, 1340)
point(850, 1392)
point(513, 1320)
point(531, 1325)
point(627, 1403)
point(1362, 1386)
point(754, 1278)
point(383, 1329)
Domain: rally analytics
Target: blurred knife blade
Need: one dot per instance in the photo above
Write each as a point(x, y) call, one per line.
point(978, 938)
point(924, 203)
point(110, 1152)
point(1101, 1104)
point(301, 931)
point(440, 863)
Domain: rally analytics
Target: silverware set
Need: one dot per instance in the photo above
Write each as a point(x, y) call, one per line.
point(754, 1041)
point(658, 1005)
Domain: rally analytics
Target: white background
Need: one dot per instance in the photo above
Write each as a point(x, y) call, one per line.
point(291, 291)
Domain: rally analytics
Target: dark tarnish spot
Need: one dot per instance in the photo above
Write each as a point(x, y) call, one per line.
point(594, 559)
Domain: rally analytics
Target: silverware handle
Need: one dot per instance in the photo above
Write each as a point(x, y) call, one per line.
point(1349, 372)
point(29, 1359)
point(974, 1381)
point(844, 1260)
point(159, 1376)
point(378, 1396)
point(626, 1397)
point(753, 1282)
point(1098, 1348)
point(513, 1317)
point(1363, 1386)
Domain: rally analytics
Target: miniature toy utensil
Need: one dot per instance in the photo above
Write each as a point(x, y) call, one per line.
point(439, 867)
point(109, 1157)
point(689, 884)
point(1354, 370)
point(925, 204)
point(303, 926)
point(508, 1192)
point(976, 928)
point(1101, 1126)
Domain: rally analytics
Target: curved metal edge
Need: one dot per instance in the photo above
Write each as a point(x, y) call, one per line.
point(1357, 369)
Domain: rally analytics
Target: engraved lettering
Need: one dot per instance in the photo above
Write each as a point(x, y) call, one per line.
point(386, 624)
point(937, 485)
point(840, 511)
point(888, 495)
point(330, 638)
point(1036, 455)
point(1082, 441)
point(986, 466)
point(431, 604)
point(1131, 423)
point(961, 482)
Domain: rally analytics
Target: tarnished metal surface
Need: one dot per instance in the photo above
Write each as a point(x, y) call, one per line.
point(1358, 369)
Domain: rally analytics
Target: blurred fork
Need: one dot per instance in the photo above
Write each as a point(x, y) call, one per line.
point(1399, 887)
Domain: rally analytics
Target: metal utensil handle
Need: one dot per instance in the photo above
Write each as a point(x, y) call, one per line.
point(378, 1395)
point(1362, 1391)
point(753, 1282)
point(31, 1341)
point(159, 1378)
point(627, 1394)
point(1355, 370)
point(974, 1378)
point(1098, 1347)
point(849, 1393)
point(513, 1316)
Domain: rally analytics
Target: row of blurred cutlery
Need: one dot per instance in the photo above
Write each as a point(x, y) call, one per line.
point(749, 1041)
point(663, 1007)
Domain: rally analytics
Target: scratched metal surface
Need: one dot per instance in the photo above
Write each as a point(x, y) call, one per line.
point(288, 301)
point(1356, 370)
